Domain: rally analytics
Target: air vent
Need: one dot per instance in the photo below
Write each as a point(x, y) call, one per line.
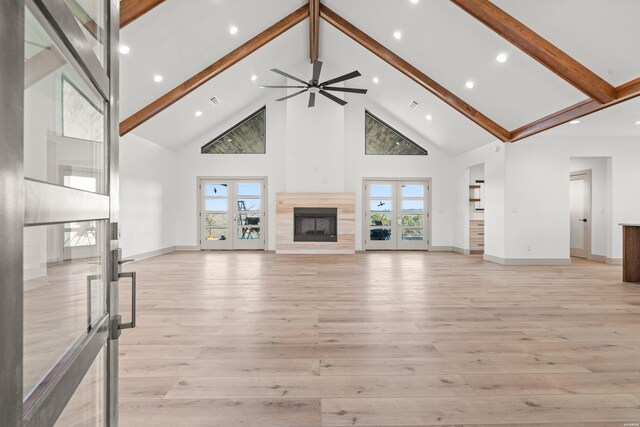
point(413, 105)
point(214, 101)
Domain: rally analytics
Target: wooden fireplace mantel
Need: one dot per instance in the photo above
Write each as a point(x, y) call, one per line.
point(345, 203)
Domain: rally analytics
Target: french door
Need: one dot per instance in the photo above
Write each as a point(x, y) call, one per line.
point(60, 257)
point(396, 214)
point(232, 213)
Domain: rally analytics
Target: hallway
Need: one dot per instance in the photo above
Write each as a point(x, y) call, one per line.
point(405, 338)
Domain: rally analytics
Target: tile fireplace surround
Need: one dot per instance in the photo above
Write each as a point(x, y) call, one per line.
point(344, 202)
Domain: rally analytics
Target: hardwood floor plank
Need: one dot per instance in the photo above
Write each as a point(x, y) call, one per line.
point(518, 410)
point(319, 386)
point(136, 368)
point(221, 413)
point(402, 339)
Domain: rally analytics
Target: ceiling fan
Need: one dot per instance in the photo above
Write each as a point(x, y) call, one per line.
point(314, 86)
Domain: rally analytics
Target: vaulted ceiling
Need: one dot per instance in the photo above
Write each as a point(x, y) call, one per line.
point(178, 39)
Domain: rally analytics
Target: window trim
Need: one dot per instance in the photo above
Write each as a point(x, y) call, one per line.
point(234, 127)
point(424, 151)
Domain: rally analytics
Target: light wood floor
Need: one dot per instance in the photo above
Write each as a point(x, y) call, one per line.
point(379, 339)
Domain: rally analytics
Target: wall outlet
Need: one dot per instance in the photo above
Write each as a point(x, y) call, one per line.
point(515, 210)
point(528, 248)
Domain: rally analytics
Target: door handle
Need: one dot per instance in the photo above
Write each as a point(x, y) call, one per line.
point(583, 220)
point(132, 276)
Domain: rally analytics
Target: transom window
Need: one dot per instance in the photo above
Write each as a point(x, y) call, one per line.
point(382, 139)
point(247, 137)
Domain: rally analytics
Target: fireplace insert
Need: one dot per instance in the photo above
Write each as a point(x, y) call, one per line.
point(315, 224)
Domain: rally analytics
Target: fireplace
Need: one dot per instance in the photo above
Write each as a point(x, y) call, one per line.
point(315, 224)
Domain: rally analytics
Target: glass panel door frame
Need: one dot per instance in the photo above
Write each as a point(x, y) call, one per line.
point(27, 202)
point(246, 221)
point(391, 224)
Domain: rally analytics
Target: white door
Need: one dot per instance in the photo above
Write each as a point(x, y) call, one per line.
point(396, 215)
point(580, 214)
point(232, 214)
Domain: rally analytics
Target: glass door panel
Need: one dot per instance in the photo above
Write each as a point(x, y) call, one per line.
point(64, 117)
point(380, 215)
point(411, 216)
point(248, 215)
point(396, 215)
point(215, 215)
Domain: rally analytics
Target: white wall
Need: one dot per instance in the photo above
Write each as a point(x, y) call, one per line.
point(600, 202)
point(537, 192)
point(312, 150)
point(492, 156)
point(147, 196)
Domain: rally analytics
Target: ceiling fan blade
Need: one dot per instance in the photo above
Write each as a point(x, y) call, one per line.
point(282, 73)
point(333, 98)
point(312, 100)
point(317, 67)
point(278, 87)
point(346, 89)
point(347, 76)
point(291, 96)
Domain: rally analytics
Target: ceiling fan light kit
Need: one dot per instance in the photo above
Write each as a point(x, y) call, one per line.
point(314, 86)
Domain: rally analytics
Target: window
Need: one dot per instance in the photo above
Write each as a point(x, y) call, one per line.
point(247, 137)
point(81, 118)
point(382, 139)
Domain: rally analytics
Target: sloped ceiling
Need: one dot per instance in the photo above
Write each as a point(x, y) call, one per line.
point(177, 39)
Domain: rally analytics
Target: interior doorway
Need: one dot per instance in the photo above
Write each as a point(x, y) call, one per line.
point(232, 213)
point(397, 214)
point(580, 213)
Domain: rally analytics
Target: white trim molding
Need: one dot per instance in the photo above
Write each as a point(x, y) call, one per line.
point(527, 261)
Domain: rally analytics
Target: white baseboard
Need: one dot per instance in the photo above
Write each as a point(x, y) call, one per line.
point(440, 249)
point(527, 261)
point(188, 248)
point(462, 251)
point(152, 254)
point(614, 261)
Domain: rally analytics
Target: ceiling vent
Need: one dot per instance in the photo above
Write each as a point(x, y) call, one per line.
point(214, 101)
point(413, 105)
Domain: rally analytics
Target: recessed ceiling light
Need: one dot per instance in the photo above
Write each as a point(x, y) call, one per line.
point(397, 35)
point(157, 78)
point(574, 122)
point(376, 80)
point(428, 117)
point(198, 113)
point(233, 30)
point(254, 78)
point(502, 58)
point(469, 84)
point(638, 122)
point(414, 1)
point(124, 49)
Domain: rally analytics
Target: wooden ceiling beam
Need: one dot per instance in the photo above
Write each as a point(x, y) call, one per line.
point(314, 29)
point(413, 73)
point(623, 93)
point(539, 49)
point(213, 70)
point(130, 10)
